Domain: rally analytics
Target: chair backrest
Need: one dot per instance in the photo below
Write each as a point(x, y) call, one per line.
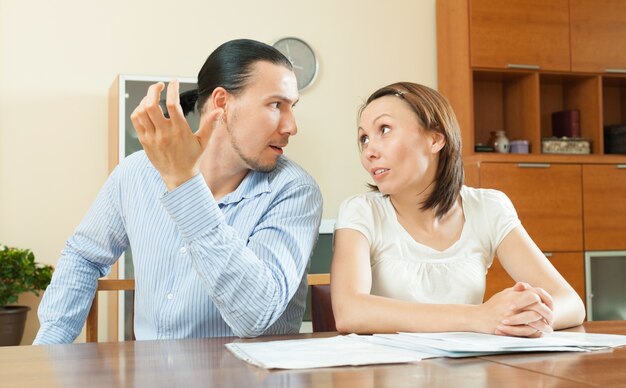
point(107, 285)
point(321, 307)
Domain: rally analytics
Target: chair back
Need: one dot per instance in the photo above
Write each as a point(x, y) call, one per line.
point(321, 307)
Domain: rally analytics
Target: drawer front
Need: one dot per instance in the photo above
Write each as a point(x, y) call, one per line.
point(604, 193)
point(548, 200)
point(571, 265)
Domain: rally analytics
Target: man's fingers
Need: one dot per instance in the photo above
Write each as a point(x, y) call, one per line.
point(207, 124)
point(152, 105)
point(172, 101)
point(141, 122)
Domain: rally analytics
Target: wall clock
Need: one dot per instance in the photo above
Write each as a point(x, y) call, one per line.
point(302, 58)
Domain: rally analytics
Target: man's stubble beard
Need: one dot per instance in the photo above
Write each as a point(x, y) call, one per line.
point(253, 163)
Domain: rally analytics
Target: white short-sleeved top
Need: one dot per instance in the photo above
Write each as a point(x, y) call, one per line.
point(405, 269)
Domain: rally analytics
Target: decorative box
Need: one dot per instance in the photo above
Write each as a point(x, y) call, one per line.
point(565, 145)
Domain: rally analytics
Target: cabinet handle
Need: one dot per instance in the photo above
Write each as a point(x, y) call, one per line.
point(621, 166)
point(522, 66)
point(547, 254)
point(533, 165)
point(620, 71)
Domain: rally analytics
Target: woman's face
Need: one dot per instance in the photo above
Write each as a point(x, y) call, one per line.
point(400, 155)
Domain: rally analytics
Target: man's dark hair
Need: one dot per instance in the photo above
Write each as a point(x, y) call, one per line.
point(230, 67)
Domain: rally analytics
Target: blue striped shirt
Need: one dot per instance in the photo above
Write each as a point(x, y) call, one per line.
point(202, 267)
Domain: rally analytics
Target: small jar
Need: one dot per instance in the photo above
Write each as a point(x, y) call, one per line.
point(499, 142)
point(518, 146)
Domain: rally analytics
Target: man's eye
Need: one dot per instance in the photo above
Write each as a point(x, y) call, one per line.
point(364, 140)
point(275, 104)
point(385, 129)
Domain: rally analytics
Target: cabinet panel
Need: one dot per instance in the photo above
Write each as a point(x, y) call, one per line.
point(548, 200)
point(569, 264)
point(598, 29)
point(604, 191)
point(520, 32)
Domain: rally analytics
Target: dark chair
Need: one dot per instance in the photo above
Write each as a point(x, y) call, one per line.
point(322, 309)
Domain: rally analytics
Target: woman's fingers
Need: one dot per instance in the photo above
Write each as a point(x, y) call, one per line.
point(545, 297)
point(522, 318)
point(518, 331)
point(541, 326)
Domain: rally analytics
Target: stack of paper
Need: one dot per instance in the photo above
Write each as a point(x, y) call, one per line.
point(464, 344)
point(320, 353)
point(407, 347)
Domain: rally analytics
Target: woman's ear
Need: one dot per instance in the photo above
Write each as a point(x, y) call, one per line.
point(438, 141)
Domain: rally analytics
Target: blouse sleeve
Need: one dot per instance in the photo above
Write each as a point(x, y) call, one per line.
point(356, 213)
point(501, 216)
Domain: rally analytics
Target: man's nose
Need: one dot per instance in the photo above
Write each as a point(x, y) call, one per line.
point(288, 125)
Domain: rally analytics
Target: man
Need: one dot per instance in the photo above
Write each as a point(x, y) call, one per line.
point(221, 225)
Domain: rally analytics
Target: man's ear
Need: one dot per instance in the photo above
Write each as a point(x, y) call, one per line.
point(438, 141)
point(219, 98)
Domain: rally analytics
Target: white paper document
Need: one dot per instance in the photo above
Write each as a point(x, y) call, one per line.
point(408, 347)
point(320, 353)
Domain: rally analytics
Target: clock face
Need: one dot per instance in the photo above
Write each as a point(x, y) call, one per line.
point(302, 58)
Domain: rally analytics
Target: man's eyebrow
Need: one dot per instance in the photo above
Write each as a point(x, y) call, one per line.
point(284, 98)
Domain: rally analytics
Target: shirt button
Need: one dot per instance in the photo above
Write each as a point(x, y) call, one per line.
point(183, 250)
point(170, 296)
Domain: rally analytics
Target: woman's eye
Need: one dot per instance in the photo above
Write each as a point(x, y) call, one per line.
point(385, 129)
point(275, 105)
point(364, 140)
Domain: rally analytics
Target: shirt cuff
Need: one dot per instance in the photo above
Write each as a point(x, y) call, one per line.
point(51, 335)
point(193, 208)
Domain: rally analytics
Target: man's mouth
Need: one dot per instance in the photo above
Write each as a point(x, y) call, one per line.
point(277, 149)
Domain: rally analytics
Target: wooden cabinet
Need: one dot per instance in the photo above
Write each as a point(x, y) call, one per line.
point(604, 190)
point(598, 35)
point(489, 95)
point(547, 198)
point(568, 203)
point(571, 265)
point(520, 34)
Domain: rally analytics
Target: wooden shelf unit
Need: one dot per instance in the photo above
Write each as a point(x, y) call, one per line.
point(508, 65)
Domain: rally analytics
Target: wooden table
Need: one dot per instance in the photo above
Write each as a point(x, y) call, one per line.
point(206, 362)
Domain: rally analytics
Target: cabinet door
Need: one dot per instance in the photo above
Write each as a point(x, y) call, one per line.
point(604, 191)
point(598, 29)
point(520, 32)
point(547, 198)
point(571, 265)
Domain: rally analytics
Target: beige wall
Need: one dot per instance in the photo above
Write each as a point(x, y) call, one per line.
point(58, 59)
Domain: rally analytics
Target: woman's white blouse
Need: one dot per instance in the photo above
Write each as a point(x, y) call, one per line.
point(405, 269)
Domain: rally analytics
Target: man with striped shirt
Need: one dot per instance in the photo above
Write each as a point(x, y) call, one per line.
point(221, 224)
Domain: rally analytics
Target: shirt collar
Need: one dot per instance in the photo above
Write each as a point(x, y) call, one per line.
point(253, 184)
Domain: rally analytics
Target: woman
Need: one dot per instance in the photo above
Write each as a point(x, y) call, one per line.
point(413, 254)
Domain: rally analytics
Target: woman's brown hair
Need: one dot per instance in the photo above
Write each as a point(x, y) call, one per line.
point(434, 114)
